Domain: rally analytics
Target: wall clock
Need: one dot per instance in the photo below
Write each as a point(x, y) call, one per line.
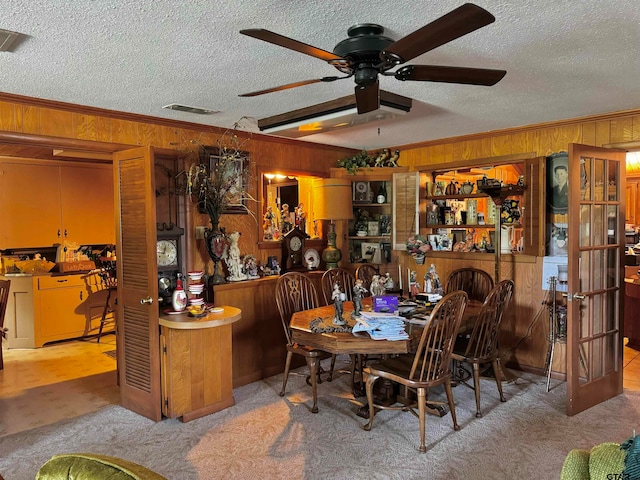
point(293, 250)
point(168, 260)
point(167, 252)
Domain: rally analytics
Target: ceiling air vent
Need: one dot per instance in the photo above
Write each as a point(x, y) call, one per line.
point(186, 108)
point(7, 39)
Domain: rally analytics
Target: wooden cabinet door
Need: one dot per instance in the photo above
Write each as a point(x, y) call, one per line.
point(535, 204)
point(406, 208)
point(60, 308)
point(87, 204)
point(29, 205)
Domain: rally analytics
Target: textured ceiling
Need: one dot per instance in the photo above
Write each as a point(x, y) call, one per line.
point(563, 59)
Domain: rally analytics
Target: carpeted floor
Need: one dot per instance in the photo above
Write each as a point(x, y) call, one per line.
point(268, 436)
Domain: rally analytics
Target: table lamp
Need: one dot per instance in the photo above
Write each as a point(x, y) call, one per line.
point(332, 199)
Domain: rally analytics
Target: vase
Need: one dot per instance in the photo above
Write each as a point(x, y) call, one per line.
point(419, 258)
point(217, 244)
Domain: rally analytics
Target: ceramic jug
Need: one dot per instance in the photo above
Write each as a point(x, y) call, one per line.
point(506, 238)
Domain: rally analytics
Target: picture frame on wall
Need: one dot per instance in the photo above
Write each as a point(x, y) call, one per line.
point(558, 183)
point(235, 165)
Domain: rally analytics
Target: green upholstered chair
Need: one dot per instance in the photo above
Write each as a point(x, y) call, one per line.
point(88, 466)
point(603, 461)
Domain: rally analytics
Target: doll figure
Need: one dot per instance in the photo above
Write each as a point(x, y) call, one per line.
point(285, 223)
point(358, 293)
point(338, 298)
point(301, 218)
point(268, 223)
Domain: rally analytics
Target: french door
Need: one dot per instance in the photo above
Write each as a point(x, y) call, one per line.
point(138, 327)
point(596, 276)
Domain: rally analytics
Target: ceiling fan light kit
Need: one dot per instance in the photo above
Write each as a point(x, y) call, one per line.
point(335, 114)
point(367, 54)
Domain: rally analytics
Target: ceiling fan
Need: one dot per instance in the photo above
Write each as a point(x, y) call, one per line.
point(367, 53)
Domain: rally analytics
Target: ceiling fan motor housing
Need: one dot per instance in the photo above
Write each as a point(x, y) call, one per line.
point(364, 44)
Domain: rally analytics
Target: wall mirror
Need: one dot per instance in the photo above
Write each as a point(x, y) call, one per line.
point(286, 202)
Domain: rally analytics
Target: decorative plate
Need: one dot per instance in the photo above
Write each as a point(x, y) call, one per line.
point(312, 258)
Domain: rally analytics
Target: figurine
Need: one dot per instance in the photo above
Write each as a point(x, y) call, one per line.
point(393, 161)
point(358, 293)
point(285, 224)
point(301, 218)
point(435, 280)
point(233, 260)
point(275, 267)
point(338, 298)
point(268, 223)
point(428, 283)
point(414, 287)
point(382, 158)
point(388, 282)
point(377, 286)
point(250, 267)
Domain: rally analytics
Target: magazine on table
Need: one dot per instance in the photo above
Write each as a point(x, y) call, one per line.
point(381, 326)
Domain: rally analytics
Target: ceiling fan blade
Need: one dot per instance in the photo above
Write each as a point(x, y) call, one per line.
point(368, 97)
point(438, 73)
point(464, 19)
point(291, 44)
point(288, 86)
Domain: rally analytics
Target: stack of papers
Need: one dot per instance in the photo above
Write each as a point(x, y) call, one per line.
point(381, 326)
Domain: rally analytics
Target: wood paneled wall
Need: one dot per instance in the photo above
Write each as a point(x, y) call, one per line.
point(42, 117)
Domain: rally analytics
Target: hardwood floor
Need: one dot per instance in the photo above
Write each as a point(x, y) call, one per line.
point(72, 378)
point(58, 381)
point(631, 372)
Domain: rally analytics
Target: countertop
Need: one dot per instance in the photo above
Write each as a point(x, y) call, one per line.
point(183, 321)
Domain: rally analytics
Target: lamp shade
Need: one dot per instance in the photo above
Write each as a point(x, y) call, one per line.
point(332, 199)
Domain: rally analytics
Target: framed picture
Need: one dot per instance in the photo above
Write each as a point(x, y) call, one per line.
point(373, 229)
point(369, 250)
point(232, 167)
point(558, 182)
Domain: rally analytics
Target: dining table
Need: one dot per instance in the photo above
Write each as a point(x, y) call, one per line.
point(315, 328)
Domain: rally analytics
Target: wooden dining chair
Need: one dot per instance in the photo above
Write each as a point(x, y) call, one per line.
point(365, 272)
point(344, 278)
point(477, 283)
point(5, 285)
point(295, 292)
point(480, 347)
point(428, 367)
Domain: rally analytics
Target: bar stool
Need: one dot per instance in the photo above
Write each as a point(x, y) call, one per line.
point(110, 283)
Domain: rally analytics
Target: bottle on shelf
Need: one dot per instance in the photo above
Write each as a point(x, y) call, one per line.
point(179, 296)
point(382, 193)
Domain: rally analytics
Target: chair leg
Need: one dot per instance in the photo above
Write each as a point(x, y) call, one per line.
point(103, 319)
point(287, 365)
point(452, 405)
point(497, 368)
point(422, 403)
point(371, 380)
point(333, 364)
point(476, 387)
point(312, 363)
